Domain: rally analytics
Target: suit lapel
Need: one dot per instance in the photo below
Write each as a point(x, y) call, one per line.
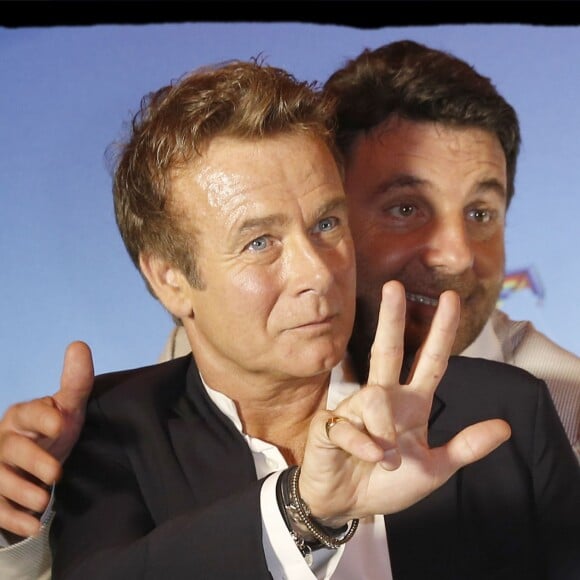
point(431, 519)
point(214, 457)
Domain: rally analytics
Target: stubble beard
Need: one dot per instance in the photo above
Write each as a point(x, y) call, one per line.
point(473, 319)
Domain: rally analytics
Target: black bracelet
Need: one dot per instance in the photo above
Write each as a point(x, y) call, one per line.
point(295, 510)
point(283, 500)
point(328, 537)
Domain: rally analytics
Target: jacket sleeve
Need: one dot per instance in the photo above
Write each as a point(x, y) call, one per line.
point(556, 480)
point(28, 559)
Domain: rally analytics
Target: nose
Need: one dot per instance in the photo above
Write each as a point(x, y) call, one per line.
point(449, 247)
point(311, 267)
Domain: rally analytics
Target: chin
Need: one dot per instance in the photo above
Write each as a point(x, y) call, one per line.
point(464, 339)
point(314, 366)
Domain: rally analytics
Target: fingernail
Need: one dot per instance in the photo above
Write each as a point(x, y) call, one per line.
point(391, 459)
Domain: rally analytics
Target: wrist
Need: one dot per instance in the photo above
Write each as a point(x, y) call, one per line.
point(308, 533)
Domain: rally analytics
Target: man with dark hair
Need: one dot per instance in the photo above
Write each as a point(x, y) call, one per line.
point(431, 149)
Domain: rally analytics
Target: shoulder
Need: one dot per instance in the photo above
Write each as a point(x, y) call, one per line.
point(492, 375)
point(129, 408)
point(154, 385)
point(528, 348)
point(525, 341)
point(475, 389)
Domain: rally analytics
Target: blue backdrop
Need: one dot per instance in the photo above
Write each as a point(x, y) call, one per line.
point(66, 90)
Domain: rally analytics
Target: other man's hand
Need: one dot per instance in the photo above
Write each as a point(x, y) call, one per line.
point(36, 437)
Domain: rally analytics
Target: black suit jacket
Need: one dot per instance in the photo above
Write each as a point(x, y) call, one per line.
point(162, 486)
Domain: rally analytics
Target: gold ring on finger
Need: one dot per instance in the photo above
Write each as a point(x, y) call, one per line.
point(330, 423)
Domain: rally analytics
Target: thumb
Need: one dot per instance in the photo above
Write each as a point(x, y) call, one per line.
point(76, 381)
point(476, 441)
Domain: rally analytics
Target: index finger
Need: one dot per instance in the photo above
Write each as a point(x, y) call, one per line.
point(431, 360)
point(388, 348)
point(34, 418)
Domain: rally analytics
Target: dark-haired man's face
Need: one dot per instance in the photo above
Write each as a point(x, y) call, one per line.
point(427, 207)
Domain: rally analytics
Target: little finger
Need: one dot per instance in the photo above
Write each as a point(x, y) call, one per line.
point(16, 521)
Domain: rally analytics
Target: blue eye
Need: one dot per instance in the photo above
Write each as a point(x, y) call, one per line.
point(326, 224)
point(258, 244)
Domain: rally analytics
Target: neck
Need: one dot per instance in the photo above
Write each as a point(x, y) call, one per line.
point(274, 409)
point(283, 418)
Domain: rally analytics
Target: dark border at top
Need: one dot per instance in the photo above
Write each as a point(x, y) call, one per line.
point(358, 14)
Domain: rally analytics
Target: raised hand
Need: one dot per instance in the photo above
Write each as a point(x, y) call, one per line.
point(378, 460)
point(36, 437)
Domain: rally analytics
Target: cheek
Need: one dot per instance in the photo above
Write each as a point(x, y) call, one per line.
point(383, 255)
point(249, 292)
point(346, 266)
point(490, 259)
point(347, 283)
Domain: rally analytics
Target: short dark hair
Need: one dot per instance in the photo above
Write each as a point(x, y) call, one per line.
point(419, 83)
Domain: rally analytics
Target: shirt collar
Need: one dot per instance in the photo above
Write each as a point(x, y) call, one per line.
point(341, 386)
point(486, 345)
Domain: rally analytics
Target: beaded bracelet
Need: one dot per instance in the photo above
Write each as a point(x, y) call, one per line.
point(295, 507)
point(283, 501)
point(323, 534)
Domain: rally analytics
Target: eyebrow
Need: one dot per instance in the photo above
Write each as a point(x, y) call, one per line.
point(409, 180)
point(262, 222)
point(338, 203)
point(400, 180)
point(492, 185)
point(281, 219)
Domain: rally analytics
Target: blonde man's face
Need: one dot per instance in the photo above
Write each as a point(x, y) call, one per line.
point(276, 256)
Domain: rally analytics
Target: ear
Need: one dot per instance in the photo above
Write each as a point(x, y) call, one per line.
point(169, 285)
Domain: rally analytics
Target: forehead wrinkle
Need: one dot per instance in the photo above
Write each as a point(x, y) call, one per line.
point(219, 185)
